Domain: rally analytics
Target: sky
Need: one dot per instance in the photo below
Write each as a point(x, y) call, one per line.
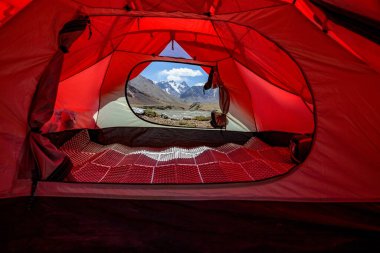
point(166, 71)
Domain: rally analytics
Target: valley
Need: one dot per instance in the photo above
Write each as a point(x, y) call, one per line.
point(172, 103)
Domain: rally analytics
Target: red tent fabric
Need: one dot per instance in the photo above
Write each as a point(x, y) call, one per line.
point(283, 73)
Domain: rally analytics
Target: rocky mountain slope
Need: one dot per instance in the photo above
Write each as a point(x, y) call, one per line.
point(195, 93)
point(142, 91)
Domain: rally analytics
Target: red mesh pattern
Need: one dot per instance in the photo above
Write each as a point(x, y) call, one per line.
point(117, 163)
point(80, 158)
point(259, 170)
point(278, 159)
point(204, 157)
point(93, 147)
point(240, 155)
point(89, 173)
point(165, 175)
point(254, 153)
point(235, 172)
point(229, 147)
point(177, 156)
point(184, 158)
point(188, 174)
point(147, 160)
point(212, 173)
point(116, 174)
point(139, 175)
point(187, 161)
point(76, 143)
point(221, 157)
point(130, 159)
point(109, 158)
point(167, 159)
point(276, 154)
point(122, 149)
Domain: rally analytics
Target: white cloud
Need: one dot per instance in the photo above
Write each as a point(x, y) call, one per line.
point(179, 74)
point(199, 84)
point(174, 78)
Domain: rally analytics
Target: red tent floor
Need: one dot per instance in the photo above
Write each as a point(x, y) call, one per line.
point(118, 163)
point(112, 225)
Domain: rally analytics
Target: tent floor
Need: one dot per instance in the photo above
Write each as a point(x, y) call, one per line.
point(109, 225)
point(117, 163)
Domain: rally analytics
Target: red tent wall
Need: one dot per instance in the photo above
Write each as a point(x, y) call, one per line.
point(275, 109)
point(25, 52)
point(9, 8)
point(369, 8)
point(77, 94)
point(363, 48)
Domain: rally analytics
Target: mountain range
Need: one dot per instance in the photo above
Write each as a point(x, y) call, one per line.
point(196, 94)
point(188, 93)
point(173, 88)
point(143, 91)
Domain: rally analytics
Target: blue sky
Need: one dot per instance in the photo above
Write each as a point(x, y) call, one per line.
point(166, 71)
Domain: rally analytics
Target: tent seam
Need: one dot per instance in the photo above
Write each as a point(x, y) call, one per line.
point(101, 86)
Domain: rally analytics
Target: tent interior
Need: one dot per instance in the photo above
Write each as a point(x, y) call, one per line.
point(125, 148)
point(262, 92)
point(278, 127)
point(80, 114)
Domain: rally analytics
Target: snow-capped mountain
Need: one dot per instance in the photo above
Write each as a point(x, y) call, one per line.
point(173, 88)
point(195, 93)
point(143, 91)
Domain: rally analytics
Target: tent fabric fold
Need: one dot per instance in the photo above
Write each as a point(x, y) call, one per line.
point(47, 157)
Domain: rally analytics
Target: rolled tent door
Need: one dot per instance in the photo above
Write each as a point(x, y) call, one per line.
point(45, 154)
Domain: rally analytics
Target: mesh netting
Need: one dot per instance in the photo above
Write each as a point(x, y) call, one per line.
point(117, 163)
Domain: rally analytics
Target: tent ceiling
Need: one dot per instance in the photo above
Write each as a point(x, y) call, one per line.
point(223, 40)
point(9, 8)
point(368, 8)
point(189, 6)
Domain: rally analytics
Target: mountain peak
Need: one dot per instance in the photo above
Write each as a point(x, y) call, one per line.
point(195, 93)
point(173, 88)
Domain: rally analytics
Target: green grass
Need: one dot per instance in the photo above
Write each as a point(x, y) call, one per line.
point(150, 113)
point(202, 118)
point(186, 123)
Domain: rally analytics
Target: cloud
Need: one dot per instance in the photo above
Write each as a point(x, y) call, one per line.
point(179, 74)
point(199, 84)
